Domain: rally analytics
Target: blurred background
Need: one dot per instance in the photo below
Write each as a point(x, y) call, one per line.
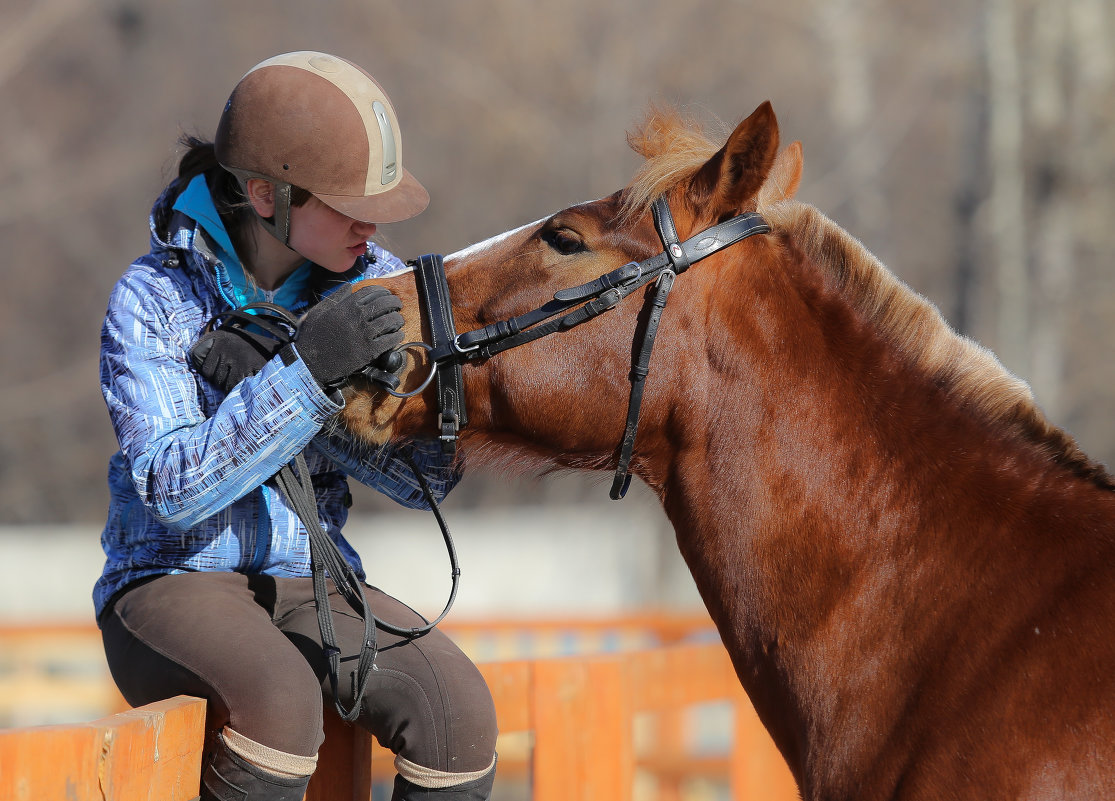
point(970, 144)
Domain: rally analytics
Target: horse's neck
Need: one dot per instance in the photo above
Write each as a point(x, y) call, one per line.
point(791, 551)
point(834, 541)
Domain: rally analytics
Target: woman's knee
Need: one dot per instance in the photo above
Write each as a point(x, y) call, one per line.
point(279, 704)
point(428, 703)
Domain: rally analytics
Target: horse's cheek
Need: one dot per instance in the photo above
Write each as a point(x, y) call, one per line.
point(358, 418)
point(372, 416)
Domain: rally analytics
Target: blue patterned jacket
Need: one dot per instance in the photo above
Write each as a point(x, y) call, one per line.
point(187, 486)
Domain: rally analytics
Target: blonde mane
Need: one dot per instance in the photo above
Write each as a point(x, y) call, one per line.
point(675, 148)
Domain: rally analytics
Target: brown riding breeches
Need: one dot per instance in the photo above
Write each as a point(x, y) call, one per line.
point(250, 645)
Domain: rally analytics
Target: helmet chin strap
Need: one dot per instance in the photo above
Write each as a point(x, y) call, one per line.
point(279, 224)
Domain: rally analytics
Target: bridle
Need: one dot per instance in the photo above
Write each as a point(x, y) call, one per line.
point(448, 350)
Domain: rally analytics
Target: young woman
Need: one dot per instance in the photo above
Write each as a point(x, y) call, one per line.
point(206, 588)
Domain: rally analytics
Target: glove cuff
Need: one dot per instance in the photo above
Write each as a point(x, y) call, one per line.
point(290, 355)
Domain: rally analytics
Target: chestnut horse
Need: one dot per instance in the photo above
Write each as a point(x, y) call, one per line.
point(912, 569)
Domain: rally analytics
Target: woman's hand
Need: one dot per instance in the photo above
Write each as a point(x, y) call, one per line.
point(227, 356)
point(348, 331)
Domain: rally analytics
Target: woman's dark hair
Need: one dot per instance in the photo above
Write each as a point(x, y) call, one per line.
point(228, 196)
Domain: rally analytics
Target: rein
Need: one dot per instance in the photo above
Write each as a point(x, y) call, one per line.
point(326, 560)
point(450, 350)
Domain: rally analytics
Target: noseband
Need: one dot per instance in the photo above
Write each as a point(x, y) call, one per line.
point(449, 350)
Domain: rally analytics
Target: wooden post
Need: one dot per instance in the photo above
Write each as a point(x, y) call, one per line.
point(511, 685)
point(583, 747)
point(667, 681)
point(344, 766)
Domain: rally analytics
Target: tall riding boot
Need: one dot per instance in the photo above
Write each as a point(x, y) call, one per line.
point(475, 790)
point(230, 777)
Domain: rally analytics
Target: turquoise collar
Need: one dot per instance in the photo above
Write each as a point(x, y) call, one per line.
point(197, 204)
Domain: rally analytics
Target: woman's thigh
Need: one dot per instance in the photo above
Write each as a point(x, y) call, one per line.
point(209, 635)
point(425, 698)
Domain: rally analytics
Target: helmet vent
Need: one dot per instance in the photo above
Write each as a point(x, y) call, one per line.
point(387, 138)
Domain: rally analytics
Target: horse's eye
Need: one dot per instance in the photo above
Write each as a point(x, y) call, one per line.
point(564, 241)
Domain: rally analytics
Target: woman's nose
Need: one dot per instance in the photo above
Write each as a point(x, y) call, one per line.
point(365, 229)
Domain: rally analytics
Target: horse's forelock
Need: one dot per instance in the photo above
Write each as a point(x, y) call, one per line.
point(675, 148)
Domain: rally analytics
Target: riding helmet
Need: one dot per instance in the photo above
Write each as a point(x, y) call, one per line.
point(322, 123)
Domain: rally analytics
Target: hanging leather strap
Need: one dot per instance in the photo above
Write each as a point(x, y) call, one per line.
point(326, 559)
point(679, 260)
point(622, 480)
point(450, 383)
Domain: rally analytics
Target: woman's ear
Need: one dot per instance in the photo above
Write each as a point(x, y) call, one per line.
point(261, 194)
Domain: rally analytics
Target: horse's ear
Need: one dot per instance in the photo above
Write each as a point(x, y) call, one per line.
point(785, 177)
point(736, 173)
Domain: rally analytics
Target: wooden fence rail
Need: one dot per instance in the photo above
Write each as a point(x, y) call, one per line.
point(581, 717)
point(56, 672)
point(148, 754)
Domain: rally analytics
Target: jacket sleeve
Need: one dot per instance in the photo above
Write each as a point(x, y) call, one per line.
point(387, 470)
point(186, 466)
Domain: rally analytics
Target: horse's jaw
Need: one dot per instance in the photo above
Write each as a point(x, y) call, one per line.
point(371, 414)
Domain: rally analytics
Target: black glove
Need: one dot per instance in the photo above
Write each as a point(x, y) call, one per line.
point(347, 331)
point(227, 356)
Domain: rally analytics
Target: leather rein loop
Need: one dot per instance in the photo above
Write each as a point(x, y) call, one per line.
point(569, 308)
